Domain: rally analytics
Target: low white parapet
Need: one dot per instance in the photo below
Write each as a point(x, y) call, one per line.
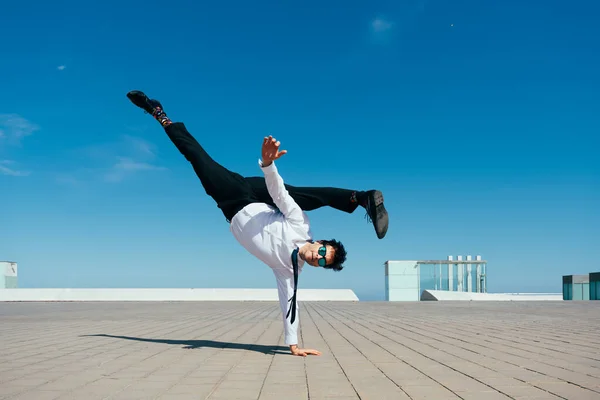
point(444, 295)
point(165, 294)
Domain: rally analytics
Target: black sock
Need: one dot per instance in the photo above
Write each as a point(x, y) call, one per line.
point(161, 117)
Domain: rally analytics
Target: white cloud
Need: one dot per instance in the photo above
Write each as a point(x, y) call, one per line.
point(126, 167)
point(13, 128)
point(381, 25)
point(127, 146)
point(113, 162)
point(140, 146)
point(61, 67)
point(67, 179)
point(5, 170)
point(127, 164)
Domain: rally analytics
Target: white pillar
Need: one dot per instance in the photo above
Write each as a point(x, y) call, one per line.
point(479, 288)
point(461, 276)
point(469, 276)
point(450, 275)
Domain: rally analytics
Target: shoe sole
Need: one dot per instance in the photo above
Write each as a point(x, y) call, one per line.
point(378, 197)
point(383, 220)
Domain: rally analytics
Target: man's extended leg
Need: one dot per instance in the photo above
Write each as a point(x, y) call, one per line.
point(311, 198)
point(230, 190)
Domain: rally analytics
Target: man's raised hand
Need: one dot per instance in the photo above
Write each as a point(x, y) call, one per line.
point(270, 150)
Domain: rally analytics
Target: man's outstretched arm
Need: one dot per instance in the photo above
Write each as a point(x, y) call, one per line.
point(290, 330)
point(284, 202)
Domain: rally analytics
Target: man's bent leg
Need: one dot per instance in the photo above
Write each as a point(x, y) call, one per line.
point(346, 200)
point(311, 198)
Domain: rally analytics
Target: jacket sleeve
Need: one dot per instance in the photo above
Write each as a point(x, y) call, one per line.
point(285, 291)
point(282, 199)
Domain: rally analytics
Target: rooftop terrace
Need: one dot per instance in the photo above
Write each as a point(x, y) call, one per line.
point(234, 350)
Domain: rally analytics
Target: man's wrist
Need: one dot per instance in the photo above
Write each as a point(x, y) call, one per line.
point(266, 163)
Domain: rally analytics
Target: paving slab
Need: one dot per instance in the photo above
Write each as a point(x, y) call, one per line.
point(235, 350)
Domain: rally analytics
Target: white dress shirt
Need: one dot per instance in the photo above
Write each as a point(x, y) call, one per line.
point(271, 234)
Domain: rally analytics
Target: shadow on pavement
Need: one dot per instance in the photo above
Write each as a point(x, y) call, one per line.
point(195, 344)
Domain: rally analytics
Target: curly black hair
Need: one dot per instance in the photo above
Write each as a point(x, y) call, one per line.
point(340, 254)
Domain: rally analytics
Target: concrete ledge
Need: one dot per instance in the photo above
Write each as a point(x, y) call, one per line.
point(165, 294)
point(442, 295)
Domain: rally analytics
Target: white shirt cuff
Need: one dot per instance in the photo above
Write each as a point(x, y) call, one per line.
point(261, 165)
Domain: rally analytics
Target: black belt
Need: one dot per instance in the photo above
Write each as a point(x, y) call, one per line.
point(293, 299)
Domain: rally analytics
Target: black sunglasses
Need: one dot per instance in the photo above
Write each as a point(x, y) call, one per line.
point(322, 253)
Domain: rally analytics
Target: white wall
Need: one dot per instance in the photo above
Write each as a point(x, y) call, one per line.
point(165, 294)
point(442, 295)
point(402, 281)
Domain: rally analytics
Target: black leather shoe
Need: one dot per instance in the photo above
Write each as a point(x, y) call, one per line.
point(142, 101)
point(377, 212)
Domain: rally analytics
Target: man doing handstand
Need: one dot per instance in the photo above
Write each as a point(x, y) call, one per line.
point(267, 217)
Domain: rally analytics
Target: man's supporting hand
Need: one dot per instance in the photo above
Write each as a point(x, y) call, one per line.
point(270, 150)
point(303, 352)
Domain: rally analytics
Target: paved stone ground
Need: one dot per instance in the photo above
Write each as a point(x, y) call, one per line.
point(234, 350)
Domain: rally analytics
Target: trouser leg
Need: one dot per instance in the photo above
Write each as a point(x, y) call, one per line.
point(312, 198)
point(347, 200)
point(230, 190)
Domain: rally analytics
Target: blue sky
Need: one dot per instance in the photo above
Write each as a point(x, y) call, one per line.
point(478, 121)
